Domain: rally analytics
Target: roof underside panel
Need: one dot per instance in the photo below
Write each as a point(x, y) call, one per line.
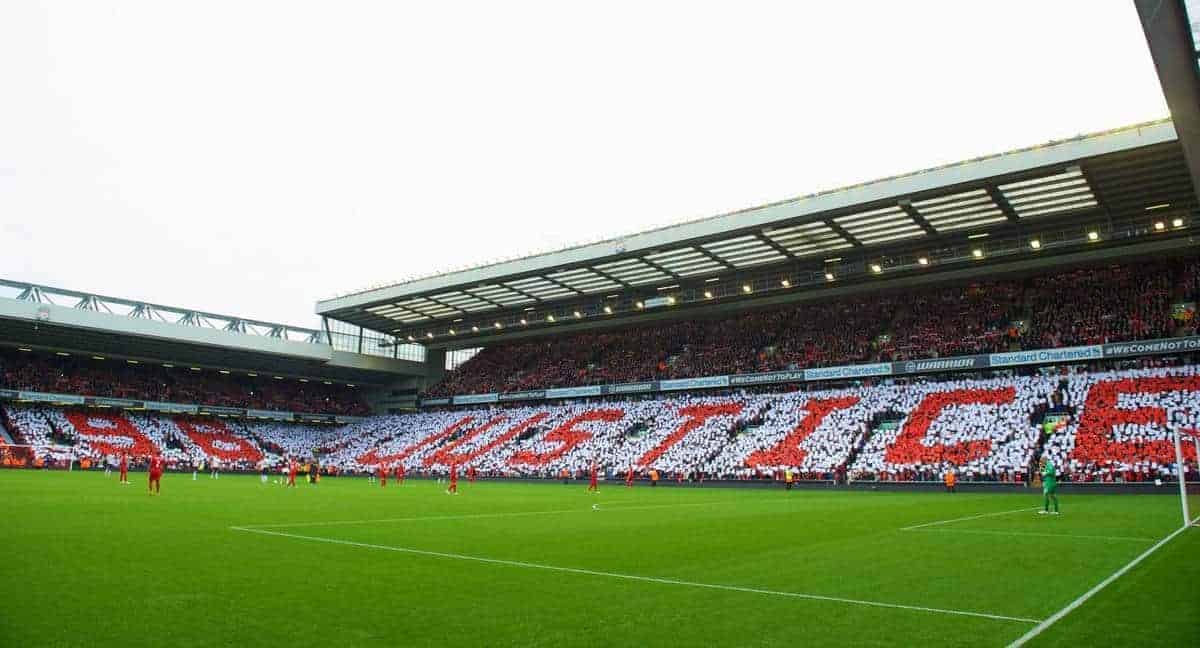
point(634, 272)
point(464, 301)
point(584, 280)
point(423, 306)
point(686, 262)
point(1051, 194)
point(541, 288)
point(880, 225)
point(744, 251)
point(966, 210)
point(502, 295)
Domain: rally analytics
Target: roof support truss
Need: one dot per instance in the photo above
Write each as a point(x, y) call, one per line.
point(157, 312)
point(1003, 204)
point(842, 233)
point(912, 212)
point(773, 245)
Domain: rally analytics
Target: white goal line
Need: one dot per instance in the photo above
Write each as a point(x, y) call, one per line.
point(633, 577)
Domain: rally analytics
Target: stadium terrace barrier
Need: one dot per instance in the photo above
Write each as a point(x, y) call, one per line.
point(1169, 346)
point(39, 397)
point(169, 408)
point(573, 392)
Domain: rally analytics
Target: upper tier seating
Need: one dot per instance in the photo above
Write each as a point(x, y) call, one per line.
point(1107, 304)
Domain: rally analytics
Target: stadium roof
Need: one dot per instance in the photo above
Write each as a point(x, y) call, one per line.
point(66, 320)
point(1173, 36)
point(1112, 184)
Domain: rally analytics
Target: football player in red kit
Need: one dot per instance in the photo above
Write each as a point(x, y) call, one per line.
point(156, 471)
point(593, 487)
point(399, 474)
point(291, 482)
point(471, 474)
point(453, 479)
point(629, 478)
point(124, 468)
point(381, 472)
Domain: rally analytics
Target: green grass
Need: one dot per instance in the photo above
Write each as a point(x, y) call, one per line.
point(90, 562)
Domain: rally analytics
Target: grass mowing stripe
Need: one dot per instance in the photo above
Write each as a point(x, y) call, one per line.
point(964, 519)
point(1054, 618)
point(632, 577)
point(472, 516)
point(1040, 535)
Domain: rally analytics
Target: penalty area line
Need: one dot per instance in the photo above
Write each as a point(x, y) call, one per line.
point(1021, 534)
point(969, 517)
point(633, 577)
point(1073, 605)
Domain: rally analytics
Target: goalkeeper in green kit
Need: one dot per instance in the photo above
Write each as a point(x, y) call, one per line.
point(1049, 488)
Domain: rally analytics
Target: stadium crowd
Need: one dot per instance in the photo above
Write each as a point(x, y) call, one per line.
point(28, 371)
point(1123, 422)
point(1104, 426)
point(984, 428)
point(1107, 304)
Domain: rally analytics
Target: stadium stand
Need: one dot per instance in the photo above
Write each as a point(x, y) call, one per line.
point(984, 428)
point(289, 439)
point(29, 425)
point(87, 377)
point(393, 438)
point(1112, 426)
point(1108, 304)
point(1121, 428)
point(813, 432)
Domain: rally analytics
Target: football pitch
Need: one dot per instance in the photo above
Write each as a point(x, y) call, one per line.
point(231, 561)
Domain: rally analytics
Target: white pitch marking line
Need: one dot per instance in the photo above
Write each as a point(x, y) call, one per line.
point(473, 516)
point(631, 577)
point(964, 519)
point(1044, 535)
point(1054, 618)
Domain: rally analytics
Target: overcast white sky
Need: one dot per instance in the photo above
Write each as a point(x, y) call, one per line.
point(250, 157)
